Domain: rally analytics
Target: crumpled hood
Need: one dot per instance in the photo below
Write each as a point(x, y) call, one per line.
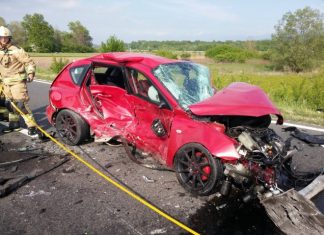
point(238, 99)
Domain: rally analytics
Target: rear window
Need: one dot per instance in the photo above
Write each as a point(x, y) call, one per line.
point(78, 73)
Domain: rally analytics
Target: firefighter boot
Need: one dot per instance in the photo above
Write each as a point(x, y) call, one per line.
point(13, 126)
point(32, 130)
point(4, 114)
point(4, 117)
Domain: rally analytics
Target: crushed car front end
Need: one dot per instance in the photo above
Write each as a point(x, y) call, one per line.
point(223, 139)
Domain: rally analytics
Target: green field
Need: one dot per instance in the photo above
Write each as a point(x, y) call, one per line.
point(300, 97)
point(81, 55)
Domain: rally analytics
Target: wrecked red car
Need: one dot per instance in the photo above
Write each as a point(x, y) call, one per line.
point(168, 110)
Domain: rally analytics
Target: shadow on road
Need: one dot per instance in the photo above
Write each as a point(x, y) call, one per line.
point(40, 116)
point(232, 216)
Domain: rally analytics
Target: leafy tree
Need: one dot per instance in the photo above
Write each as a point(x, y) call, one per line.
point(263, 45)
point(18, 33)
point(78, 40)
point(112, 44)
point(67, 44)
point(298, 40)
point(40, 33)
point(57, 40)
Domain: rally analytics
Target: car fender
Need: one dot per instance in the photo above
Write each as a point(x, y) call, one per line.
point(210, 135)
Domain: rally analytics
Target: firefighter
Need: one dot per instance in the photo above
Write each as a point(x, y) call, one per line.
point(4, 114)
point(16, 69)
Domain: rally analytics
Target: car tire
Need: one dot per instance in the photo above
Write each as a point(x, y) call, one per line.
point(71, 128)
point(197, 170)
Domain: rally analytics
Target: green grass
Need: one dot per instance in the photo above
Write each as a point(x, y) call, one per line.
point(45, 74)
point(301, 114)
point(252, 66)
point(62, 54)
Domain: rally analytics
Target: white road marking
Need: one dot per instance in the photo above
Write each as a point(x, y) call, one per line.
point(42, 81)
point(302, 126)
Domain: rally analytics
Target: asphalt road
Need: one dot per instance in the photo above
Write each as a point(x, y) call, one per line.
point(81, 202)
point(38, 93)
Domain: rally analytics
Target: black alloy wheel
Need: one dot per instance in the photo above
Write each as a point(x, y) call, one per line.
point(196, 169)
point(71, 128)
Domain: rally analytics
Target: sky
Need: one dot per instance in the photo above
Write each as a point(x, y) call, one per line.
point(128, 20)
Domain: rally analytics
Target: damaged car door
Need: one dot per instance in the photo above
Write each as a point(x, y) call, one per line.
point(152, 113)
point(108, 97)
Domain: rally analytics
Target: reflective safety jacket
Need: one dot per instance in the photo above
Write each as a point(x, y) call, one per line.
point(15, 64)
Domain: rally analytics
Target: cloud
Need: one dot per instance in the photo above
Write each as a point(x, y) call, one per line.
point(196, 9)
point(159, 20)
point(63, 4)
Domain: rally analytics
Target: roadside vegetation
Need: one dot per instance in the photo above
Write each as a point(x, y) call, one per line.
point(300, 97)
point(289, 66)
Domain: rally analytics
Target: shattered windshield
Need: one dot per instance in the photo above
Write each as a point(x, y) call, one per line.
point(188, 82)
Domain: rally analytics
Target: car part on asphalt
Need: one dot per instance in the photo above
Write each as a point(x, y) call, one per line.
point(10, 184)
point(5, 164)
point(308, 138)
point(147, 179)
point(294, 213)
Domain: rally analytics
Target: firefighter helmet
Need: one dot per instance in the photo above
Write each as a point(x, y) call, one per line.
point(5, 32)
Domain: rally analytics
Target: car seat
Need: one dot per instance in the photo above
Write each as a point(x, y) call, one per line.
point(143, 86)
point(191, 86)
point(115, 77)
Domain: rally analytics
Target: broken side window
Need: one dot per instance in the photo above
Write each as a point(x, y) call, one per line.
point(141, 86)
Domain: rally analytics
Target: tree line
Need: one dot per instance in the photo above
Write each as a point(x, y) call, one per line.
point(35, 34)
point(296, 45)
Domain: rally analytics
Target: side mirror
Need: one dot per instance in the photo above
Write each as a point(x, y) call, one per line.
point(163, 105)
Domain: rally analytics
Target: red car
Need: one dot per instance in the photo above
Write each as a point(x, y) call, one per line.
point(168, 110)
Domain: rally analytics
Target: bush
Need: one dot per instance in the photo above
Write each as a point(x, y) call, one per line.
point(167, 54)
point(185, 56)
point(57, 65)
point(227, 53)
point(266, 55)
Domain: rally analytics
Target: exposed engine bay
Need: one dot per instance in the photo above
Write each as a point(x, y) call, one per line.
point(261, 152)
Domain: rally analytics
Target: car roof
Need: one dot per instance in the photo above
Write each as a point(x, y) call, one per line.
point(131, 57)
